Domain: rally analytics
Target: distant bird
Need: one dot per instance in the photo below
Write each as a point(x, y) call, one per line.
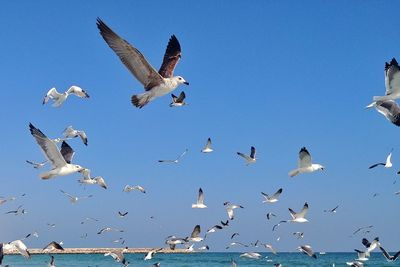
point(306, 249)
point(174, 160)
point(249, 159)
point(52, 246)
point(229, 209)
point(52, 261)
point(270, 215)
point(178, 101)
point(213, 229)
point(119, 240)
point(129, 188)
point(370, 245)
point(18, 211)
point(151, 253)
point(251, 255)
point(37, 165)
point(397, 193)
point(204, 248)
point(362, 228)
point(89, 219)
point(387, 164)
point(332, 210)
point(236, 243)
point(19, 246)
point(268, 246)
point(155, 83)
point(172, 241)
point(273, 198)
point(390, 109)
point(108, 229)
point(156, 264)
point(59, 99)
point(388, 256)
point(225, 224)
point(299, 235)
point(74, 199)
point(52, 225)
point(392, 83)
point(87, 179)
point(118, 256)
point(299, 217)
point(60, 160)
point(122, 214)
point(305, 164)
point(355, 264)
point(195, 236)
point(361, 255)
point(277, 225)
point(200, 201)
point(207, 148)
point(234, 234)
point(70, 132)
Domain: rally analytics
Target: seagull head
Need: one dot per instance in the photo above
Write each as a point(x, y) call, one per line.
point(318, 167)
point(78, 168)
point(181, 80)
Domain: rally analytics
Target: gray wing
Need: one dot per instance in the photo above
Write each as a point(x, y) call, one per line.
point(67, 152)
point(278, 193)
point(181, 97)
point(131, 57)
point(390, 110)
point(83, 137)
point(303, 211)
point(200, 198)
point(49, 148)
point(392, 77)
point(172, 56)
point(304, 158)
point(196, 231)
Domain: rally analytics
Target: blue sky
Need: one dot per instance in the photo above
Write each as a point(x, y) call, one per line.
point(278, 75)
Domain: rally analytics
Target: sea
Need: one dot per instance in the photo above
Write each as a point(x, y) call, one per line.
point(207, 259)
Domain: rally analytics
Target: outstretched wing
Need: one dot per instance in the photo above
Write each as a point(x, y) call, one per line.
point(278, 193)
point(392, 77)
point(171, 58)
point(304, 158)
point(67, 152)
point(200, 198)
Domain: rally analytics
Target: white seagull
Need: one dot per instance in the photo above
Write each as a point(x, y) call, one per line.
point(59, 99)
point(392, 83)
point(60, 160)
point(70, 133)
point(74, 199)
point(195, 236)
point(151, 253)
point(273, 198)
point(155, 83)
point(306, 249)
point(178, 101)
point(19, 246)
point(174, 160)
point(387, 164)
point(305, 164)
point(334, 210)
point(129, 188)
point(229, 209)
point(118, 256)
point(207, 148)
point(299, 217)
point(251, 255)
point(99, 180)
point(355, 264)
point(108, 229)
point(249, 159)
point(51, 247)
point(200, 201)
point(37, 165)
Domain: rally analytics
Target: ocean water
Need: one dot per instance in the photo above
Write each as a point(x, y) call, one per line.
point(196, 260)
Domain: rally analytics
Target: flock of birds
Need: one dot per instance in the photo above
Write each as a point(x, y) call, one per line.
point(157, 84)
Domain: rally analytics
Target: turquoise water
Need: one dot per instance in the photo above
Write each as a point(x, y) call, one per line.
point(197, 260)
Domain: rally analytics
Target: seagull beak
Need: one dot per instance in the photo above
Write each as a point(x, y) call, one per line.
point(186, 83)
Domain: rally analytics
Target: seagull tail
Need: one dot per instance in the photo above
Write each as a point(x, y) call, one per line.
point(294, 173)
point(141, 100)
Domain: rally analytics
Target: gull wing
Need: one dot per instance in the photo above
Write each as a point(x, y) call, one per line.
point(253, 152)
point(83, 137)
point(21, 247)
point(86, 174)
point(278, 193)
point(171, 58)
point(392, 77)
point(196, 231)
point(174, 98)
point(101, 182)
point(208, 145)
point(51, 94)
point(181, 97)
point(200, 198)
point(65, 193)
point(183, 154)
point(303, 211)
point(49, 148)
point(67, 152)
point(304, 158)
point(244, 156)
point(53, 245)
point(130, 57)
point(390, 109)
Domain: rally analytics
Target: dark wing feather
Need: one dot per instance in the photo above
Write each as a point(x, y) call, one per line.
point(67, 152)
point(253, 152)
point(376, 165)
point(387, 256)
point(181, 97)
point(365, 242)
point(171, 58)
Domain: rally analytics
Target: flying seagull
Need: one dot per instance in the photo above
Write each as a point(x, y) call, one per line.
point(273, 198)
point(237, 243)
point(207, 148)
point(129, 188)
point(277, 225)
point(174, 160)
point(19, 246)
point(70, 133)
point(251, 255)
point(108, 229)
point(200, 201)
point(51, 247)
point(118, 256)
point(151, 253)
point(155, 83)
point(362, 228)
point(370, 245)
point(99, 180)
point(229, 209)
point(305, 164)
point(172, 241)
point(306, 249)
point(178, 101)
point(18, 211)
point(59, 99)
point(361, 255)
point(299, 217)
point(388, 256)
point(268, 246)
point(332, 210)
point(37, 165)
point(194, 237)
point(298, 234)
point(206, 247)
point(392, 83)
point(74, 199)
point(249, 159)
point(60, 160)
point(213, 229)
point(270, 215)
point(387, 164)
point(122, 214)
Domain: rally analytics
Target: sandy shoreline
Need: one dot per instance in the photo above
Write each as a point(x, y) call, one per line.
point(100, 251)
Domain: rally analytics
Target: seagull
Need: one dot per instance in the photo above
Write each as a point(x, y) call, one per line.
point(155, 83)
point(108, 229)
point(173, 241)
point(387, 164)
point(299, 217)
point(51, 263)
point(99, 180)
point(204, 248)
point(118, 256)
point(273, 198)
point(151, 253)
point(269, 215)
point(59, 99)
point(370, 245)
point(390, 109)
point(251, 255)
point(306, 249)
point(129, 188)
point(200, 201)
point(361, 255)
point(332, 210)
point(387, 256)
point(355, 264)
point(60, 160)
point(236, 243)
point(89, 219)
point(233, 235)
point(178, 101)
point(225, 224)
point(213, 229)
point(229, 209)
point(74, 199)
point(19, 246)
point(37, 165)
point(298, 234)
point(70, 133)
point(277, 225)
point(362, 228)
point(18, 211)
point(122, 214)
point(51, 247)
point(249, 159)
point(174, 160)
point(119, 240)
point(194, 237)
point(207, 148)
point(52, 225)
point(268, 246)
point(392, 83)
point(305, 164)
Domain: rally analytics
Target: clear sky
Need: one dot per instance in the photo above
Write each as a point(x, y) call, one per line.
point(278, 75)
